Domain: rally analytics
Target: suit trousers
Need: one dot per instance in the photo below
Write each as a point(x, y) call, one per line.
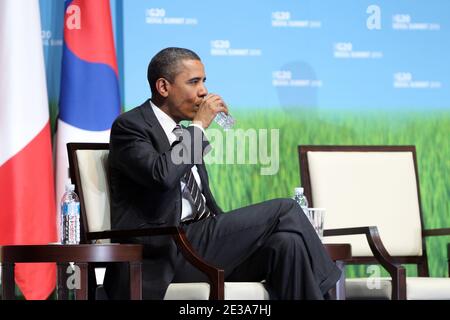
point(272, 241)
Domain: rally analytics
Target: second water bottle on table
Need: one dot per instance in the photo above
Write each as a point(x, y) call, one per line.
point(300, 198)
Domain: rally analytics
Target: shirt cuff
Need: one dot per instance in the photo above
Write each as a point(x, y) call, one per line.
point(198, 126)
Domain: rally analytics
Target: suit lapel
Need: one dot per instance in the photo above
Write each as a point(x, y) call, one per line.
point(202, 173)
point(205, 182)
point(162, 143)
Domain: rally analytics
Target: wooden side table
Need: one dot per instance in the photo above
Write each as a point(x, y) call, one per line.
point(339, 252)
point(81, 255)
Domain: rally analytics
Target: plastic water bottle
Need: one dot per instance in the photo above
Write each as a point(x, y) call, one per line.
point(300, 197)
point(224, 120)
point(70, 216)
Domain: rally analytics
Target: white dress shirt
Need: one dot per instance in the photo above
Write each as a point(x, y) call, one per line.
point(168, 124)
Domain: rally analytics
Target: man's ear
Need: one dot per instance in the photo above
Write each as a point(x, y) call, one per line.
point(162, 86)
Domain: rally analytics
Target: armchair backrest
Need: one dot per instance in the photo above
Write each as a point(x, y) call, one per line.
point(366, 186)
point(89, 172)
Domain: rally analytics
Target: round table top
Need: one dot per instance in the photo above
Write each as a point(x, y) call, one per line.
point(71, 253)
point(339, 251)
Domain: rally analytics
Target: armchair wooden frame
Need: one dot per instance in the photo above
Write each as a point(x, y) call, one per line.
point(390, 263)
point(215, 275)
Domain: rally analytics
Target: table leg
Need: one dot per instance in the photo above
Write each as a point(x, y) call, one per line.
point(448, 262)
point(8, 284)
point(82, 292)
point(62, 289)
point(135, 281)
point(448, 258)
point(340, 285)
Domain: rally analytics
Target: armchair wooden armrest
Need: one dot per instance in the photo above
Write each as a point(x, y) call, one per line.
point(215, 275)
point(440, 232)
point(397, 272)
point(436, 232)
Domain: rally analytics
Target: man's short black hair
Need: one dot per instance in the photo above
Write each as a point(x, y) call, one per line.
point(165, 64)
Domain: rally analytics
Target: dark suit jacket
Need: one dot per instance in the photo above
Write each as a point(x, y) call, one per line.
point(145, 192)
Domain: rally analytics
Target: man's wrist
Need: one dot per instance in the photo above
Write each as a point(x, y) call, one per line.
point(198, 125)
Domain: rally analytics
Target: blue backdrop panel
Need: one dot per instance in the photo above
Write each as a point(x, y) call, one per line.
point(329, 54)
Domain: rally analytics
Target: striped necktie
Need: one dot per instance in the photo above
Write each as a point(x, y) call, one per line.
point(194, 195)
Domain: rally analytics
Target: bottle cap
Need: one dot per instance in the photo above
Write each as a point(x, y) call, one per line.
point(70, 186)
point(299, 190)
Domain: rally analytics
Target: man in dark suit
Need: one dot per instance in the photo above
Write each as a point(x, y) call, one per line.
point(150, 186)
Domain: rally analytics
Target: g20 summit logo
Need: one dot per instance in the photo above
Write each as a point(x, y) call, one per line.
point(405, 80)
point(400, 21)
point(283, 19)
point(48, 40)
point(224, 48)
point(405, 22)
point(158, 16)
point(284, 78)
point(344, 50)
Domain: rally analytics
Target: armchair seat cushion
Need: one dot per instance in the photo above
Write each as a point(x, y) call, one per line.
point(200, 290)
point(418, 288)
point(233, 291)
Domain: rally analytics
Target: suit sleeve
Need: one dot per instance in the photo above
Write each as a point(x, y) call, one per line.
point(132, 151)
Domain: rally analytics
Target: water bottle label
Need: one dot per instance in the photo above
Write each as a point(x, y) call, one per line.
point(73, 234)
point(70, 208)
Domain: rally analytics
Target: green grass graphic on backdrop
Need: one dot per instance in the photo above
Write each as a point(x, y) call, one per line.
point(239, 185)
point(235, 186)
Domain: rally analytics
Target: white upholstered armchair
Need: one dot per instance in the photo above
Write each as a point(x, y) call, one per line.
point(88, 170)
point(372, 200)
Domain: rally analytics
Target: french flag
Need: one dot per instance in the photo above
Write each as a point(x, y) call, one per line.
point(89, 98)
point(27, 195)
